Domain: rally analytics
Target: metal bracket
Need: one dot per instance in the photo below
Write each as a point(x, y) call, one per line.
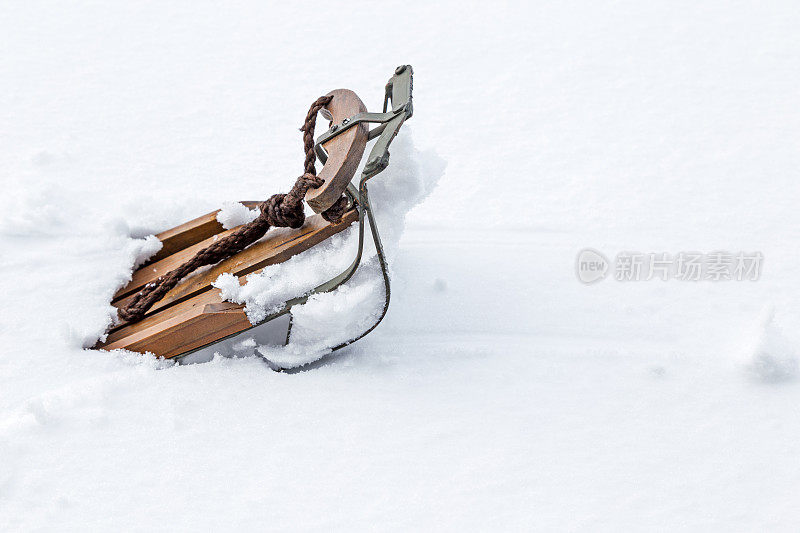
point(399, 92)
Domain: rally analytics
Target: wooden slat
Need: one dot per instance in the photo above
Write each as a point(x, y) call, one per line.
point(195, 326)
point(190, 233)
point(187, 308)
point(277, 238)
point(193, 314)
point(151, 271)
point(279, 245)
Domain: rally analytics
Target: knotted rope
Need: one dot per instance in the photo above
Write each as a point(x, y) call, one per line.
point(280, 210)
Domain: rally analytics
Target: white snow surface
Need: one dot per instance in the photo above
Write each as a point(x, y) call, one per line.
point(500, 393)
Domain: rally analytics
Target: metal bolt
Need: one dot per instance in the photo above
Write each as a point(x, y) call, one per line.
point(334, 128)
point(399, 70)
point(345, 121)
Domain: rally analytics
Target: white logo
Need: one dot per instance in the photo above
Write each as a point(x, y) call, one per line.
point(591, 266)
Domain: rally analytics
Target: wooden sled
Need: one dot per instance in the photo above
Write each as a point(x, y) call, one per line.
point(192, 318)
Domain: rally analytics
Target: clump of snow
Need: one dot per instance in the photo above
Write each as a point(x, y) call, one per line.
point(329, 319)
point(134, 252)
point(772, 357)
point(235, 214)
point(266, 291)
point(140, 250)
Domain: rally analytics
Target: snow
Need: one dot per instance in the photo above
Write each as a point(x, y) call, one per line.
point(330, 319)
point(265, 292)
point(772, 356)
point(233, 214)
point(500, 392)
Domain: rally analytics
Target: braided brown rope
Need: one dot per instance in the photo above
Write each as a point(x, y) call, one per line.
point(280, 210)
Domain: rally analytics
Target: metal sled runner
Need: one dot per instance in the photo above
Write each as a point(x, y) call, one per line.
point(191, 319)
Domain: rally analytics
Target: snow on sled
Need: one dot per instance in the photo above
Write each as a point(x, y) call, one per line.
point(173, 308)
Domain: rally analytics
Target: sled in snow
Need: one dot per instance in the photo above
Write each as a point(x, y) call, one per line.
point(190, 321)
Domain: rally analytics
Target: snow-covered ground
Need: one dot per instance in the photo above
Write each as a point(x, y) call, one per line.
point(500, 392)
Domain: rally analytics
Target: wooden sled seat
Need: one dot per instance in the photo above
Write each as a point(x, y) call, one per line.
point(193, 314)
